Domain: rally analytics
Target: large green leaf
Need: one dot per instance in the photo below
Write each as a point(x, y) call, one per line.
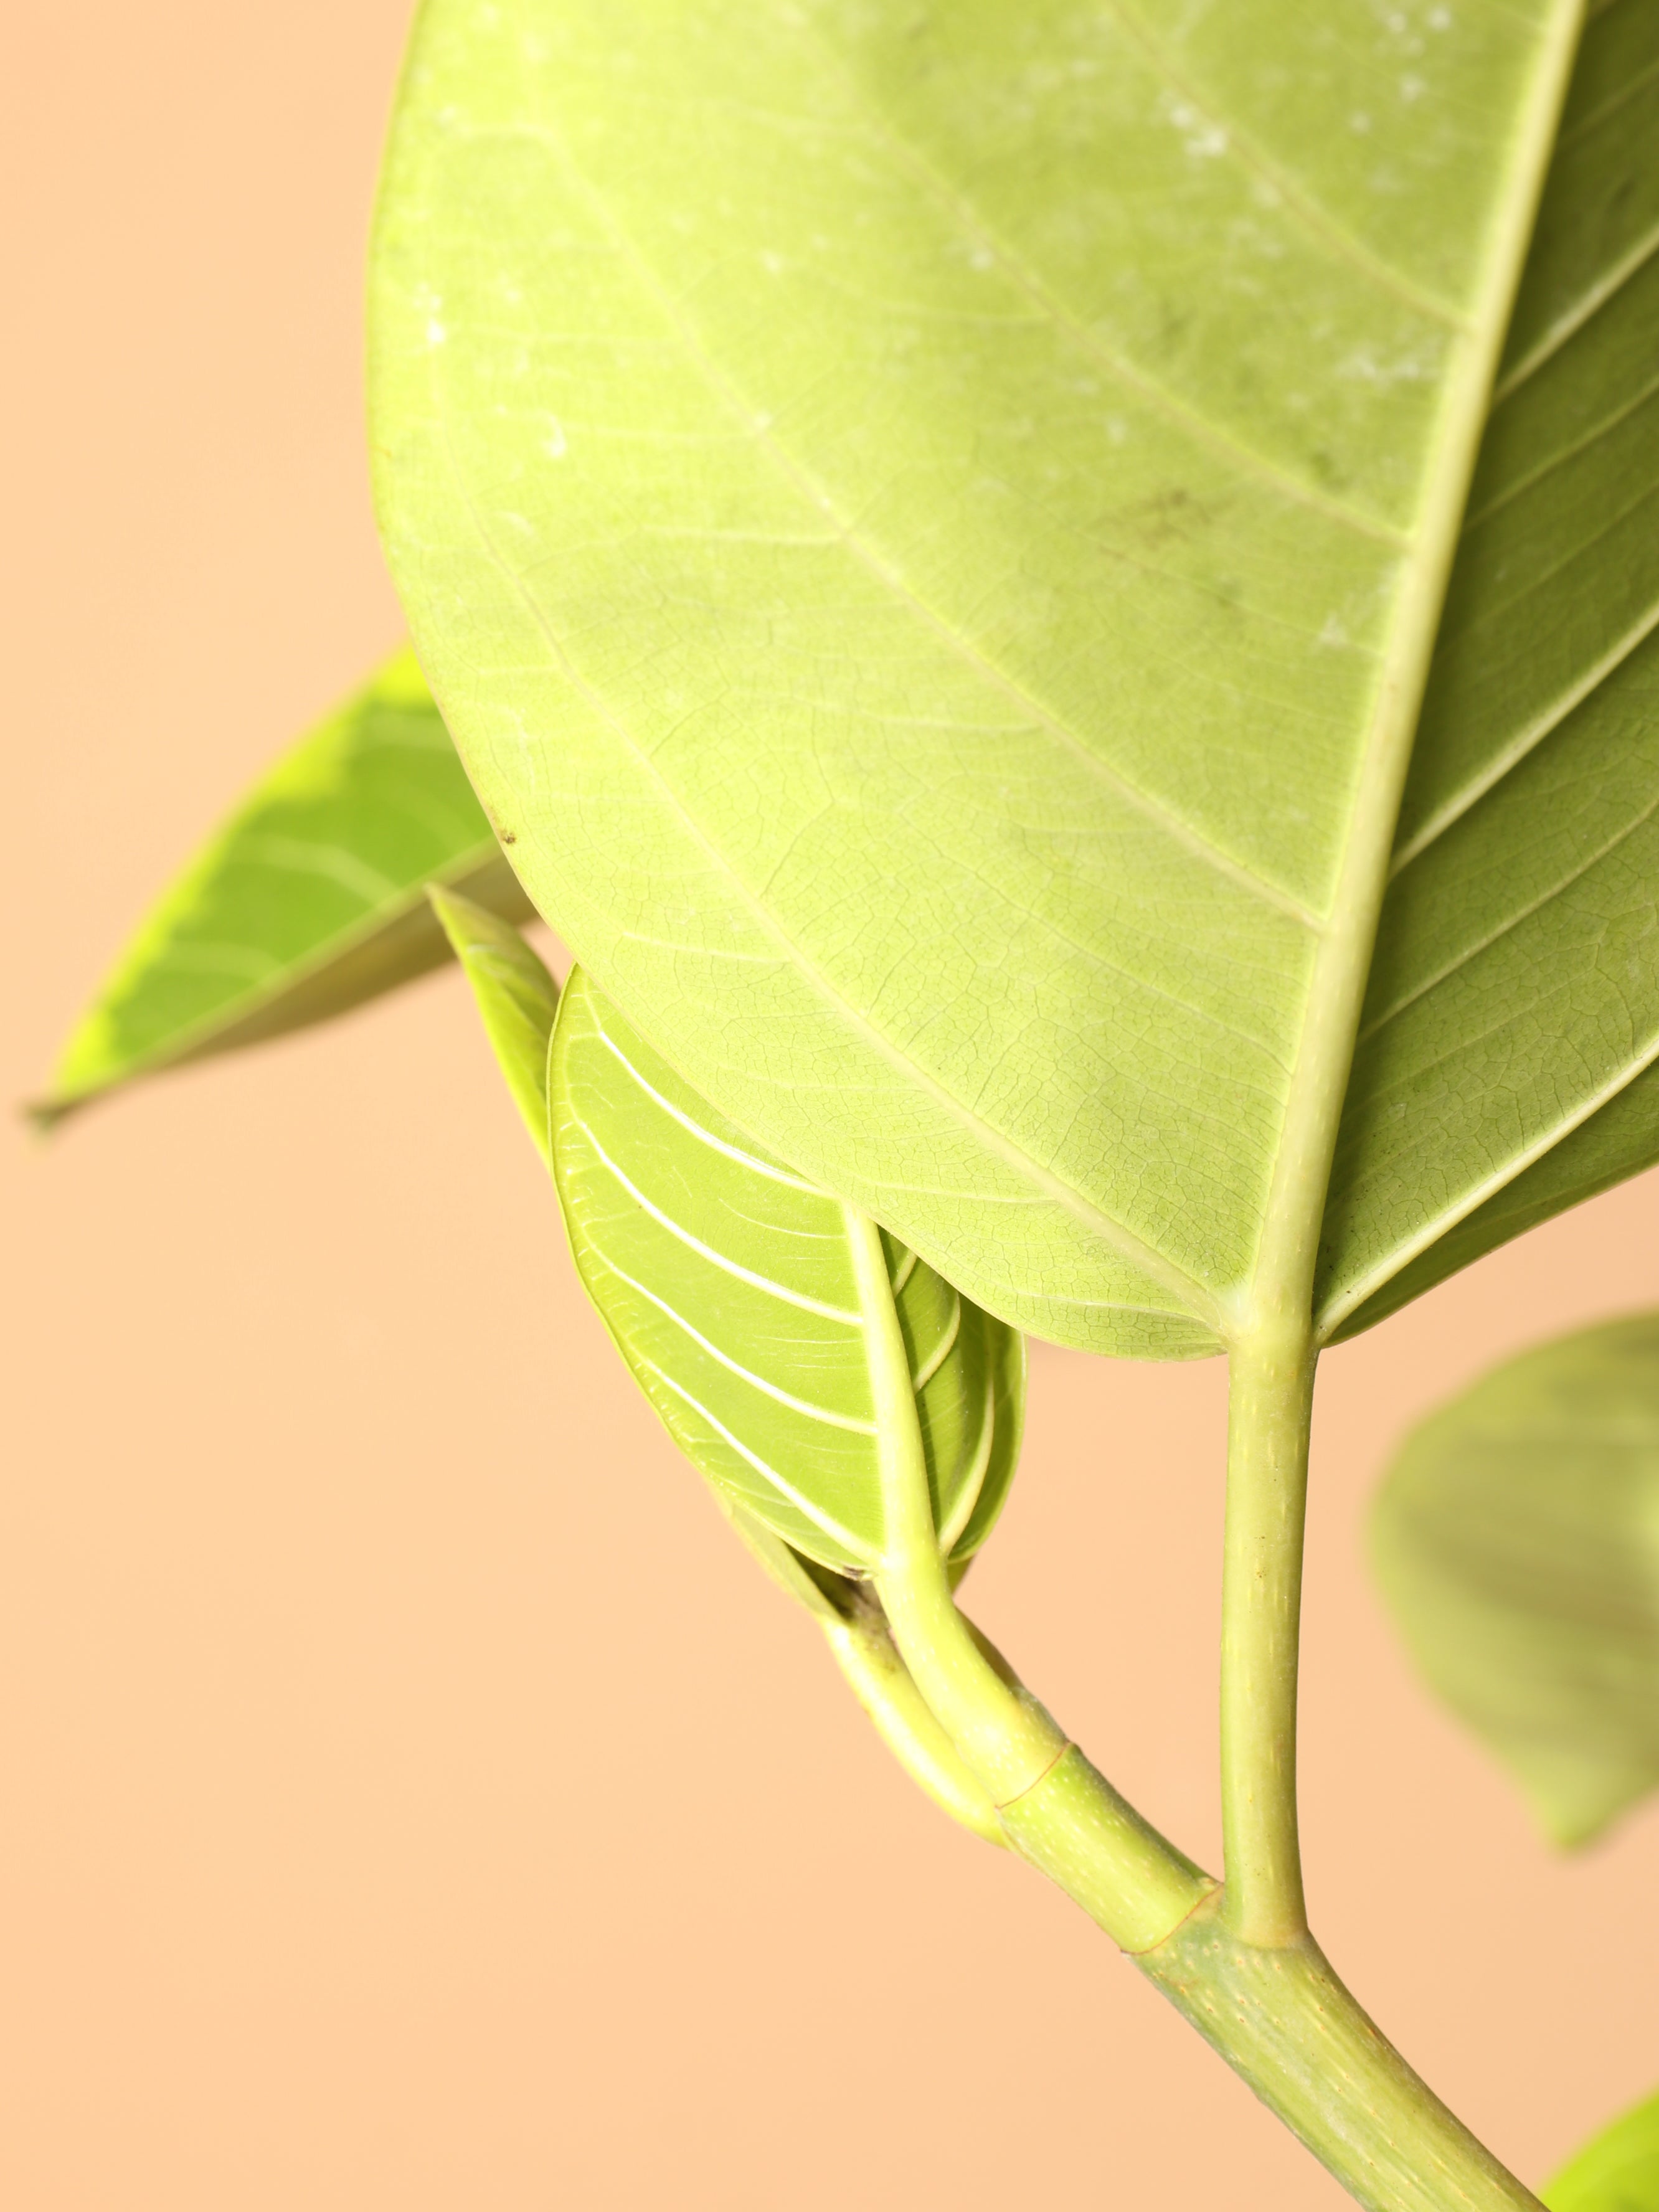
point(308, 901)
point(1506, 1066)
point(930, 524)
point(734, 1290)
point(1617, 2171)
point(1517, 1542)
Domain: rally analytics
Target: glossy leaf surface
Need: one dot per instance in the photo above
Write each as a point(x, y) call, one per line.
point(728, 1283)
point(1506, 1062)
point(516, 997)
point(1618, 2172)
point(309, 901)
point(930, 526)
point(1517, 1540)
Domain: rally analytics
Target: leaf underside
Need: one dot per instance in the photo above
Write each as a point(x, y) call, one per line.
point(308, 902)
point(728, 1284)
point(518, 1001)
point(1506, 1064)
point(1517, 1539)
point(920, 520)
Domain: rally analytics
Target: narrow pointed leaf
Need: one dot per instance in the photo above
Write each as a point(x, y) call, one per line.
point(309, 901)
point(727, 1282)
point(1506, 1066)
point(517, 999)
point(1618, 2170)
point(1517, 1539)
point(931, 527)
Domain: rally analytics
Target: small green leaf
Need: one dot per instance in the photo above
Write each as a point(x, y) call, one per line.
point(1617, 2170)
point(309, 901)
point(728, 1284)
point(517, 998)
point(519, 1001)
point(1517, 1539)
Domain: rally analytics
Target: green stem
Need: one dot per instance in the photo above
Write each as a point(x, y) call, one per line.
point(1052, 1804)
point(1240, 1967)
point(1271, 1406)
point(865, 1651)
point(1282, 2019)
point(1006, 1739)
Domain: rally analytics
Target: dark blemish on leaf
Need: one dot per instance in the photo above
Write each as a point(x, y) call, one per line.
point(509, 837)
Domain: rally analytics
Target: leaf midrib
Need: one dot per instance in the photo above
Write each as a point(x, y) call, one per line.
point(1283, 1281)
point(1288, 1249)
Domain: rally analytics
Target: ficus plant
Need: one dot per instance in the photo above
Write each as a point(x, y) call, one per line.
point(1059, 603)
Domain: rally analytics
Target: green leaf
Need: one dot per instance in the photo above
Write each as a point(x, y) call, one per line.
point(1517, 1539)
point(930, 523)
point(517, 998)
point(1618, 2170)
point(729, 1284)
point(1506, 1066)
point(309, 901)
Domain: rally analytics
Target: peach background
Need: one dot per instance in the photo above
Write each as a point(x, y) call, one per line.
point(414, 1799)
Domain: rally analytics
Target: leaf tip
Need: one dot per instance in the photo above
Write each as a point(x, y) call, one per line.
point(41, 1116)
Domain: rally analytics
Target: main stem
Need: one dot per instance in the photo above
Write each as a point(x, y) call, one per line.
point(1237, 1961)
point(1271, 1408)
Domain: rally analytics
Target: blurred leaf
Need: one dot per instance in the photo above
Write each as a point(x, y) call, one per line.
point(517, 998)
point(728, 1283)
point(309, 901)
point(1617, 2170)
point(1517, 1539)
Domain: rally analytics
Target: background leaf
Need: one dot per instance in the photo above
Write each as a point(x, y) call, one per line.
point(1517, 1539)
point(1506, 1067)
point(728, 1284)
point(969, 487)
point(310, 899)
point(1617, 2171)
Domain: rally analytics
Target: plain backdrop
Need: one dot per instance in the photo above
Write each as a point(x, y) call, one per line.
point(414, 1798)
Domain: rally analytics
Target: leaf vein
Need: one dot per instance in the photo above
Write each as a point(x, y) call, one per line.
point(734, 1366)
